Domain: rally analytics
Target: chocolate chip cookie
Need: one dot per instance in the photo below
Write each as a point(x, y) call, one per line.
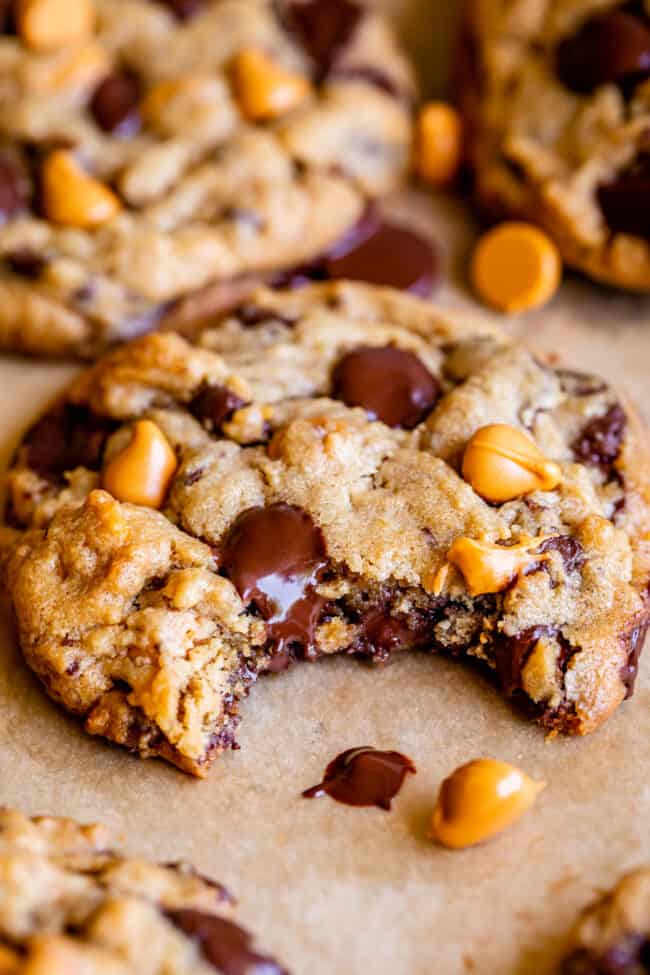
point(159, 156)
point(337, 469)
point(613, 934)
point(557, 101)
point(69, 903)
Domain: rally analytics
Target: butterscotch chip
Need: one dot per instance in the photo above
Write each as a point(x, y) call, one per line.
point(439, 143)
point(557, 117)
point(516, 267)
point(241, 142)
point(309, 464)
point(73, 197)
point(479, 800)
point(69, 903)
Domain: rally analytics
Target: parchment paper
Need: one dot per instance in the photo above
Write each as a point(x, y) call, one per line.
point(333, 889)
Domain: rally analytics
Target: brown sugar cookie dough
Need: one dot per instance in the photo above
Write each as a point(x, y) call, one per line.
point(556, 97)
point(70, 904)
point(613, 934)
point(156, 158)
point(336, 469)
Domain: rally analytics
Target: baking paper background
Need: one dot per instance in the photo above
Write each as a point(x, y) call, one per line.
point(333, 889)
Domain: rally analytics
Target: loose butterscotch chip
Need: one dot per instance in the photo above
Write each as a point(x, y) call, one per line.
point(73, 197)
point(516, 267)
point(439, 140)
point(265, 89)
point(142, 471)
point(480, 799)
point(46, 25)
point(502, 463)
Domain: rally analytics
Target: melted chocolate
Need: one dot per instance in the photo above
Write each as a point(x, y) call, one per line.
point(363, 777)
point(392, 256)
point(214, 405)
point(274, 557)
point(224, 944)
point(569, 548)
point(391, 384)
point(599, 443)
point(115, 104)
point(382, 634)
point(68, 436)
point(511, 654)
point(625, 201)
point(612, 47)
point(633, 642)
point(323, 27)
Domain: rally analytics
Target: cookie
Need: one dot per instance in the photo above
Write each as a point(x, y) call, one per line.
point(557, 104)
point(338, 469)
point(613, 934)
point(69, 903)
point(157, 158)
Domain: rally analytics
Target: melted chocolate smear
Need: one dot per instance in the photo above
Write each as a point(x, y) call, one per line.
point(599, 443)
point(274, 557)
point(323, 27)
point(214, 405)
point(68, 436)
point(392, 256)
point(115, 104)
point(224, 944)
point(612, 47)
point(363, 777)
point(15, 189)
point(625, 201)
point(391, 384)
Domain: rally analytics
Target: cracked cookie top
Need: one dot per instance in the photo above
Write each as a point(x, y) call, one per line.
point(69, 903)
point(557, 98)
point(338, 469)
point(156, 155)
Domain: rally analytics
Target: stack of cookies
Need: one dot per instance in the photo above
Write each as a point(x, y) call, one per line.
point(282, 450)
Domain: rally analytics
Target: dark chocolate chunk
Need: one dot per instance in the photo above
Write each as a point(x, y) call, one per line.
point(625, 201)
point(392, 256)
point(569, 548)
point(115, 104)
point(391, 384)
point(224, 944)
point(68, 436)
point(612, 47)
point(323, 27)
point(599, 443)
point(26, 263)
point(214, 405)
point(274, 557)
point(15, 188)
point(511, 654)
point(183, 9)
point(363, 777)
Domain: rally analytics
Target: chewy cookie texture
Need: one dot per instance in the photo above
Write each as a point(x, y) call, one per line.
point(339, 469)
point(156, 156)
point(69, 904)
point(556, 97)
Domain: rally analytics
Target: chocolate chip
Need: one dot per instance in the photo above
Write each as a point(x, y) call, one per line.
point(613, 47)
point(7, 20)
point(599, 443)
point(274, 556)
point(115, 104)
point(26, 263)
point(511, 654)
point(223, 944)
point(382, 633)
point(363, 777)
point(391, 384)
point(183, 9)
point(392, 256)
point(68, 436)
point(15, 189)
point(323, 27)
point(214, 405)
point(569, 548)
point(632, 642)
point(625, 201)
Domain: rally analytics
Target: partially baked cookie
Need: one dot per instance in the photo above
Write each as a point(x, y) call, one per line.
point(612, 936)
point(337, 469)
point(70, 904)
point(557, 101)
point(157, 157)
